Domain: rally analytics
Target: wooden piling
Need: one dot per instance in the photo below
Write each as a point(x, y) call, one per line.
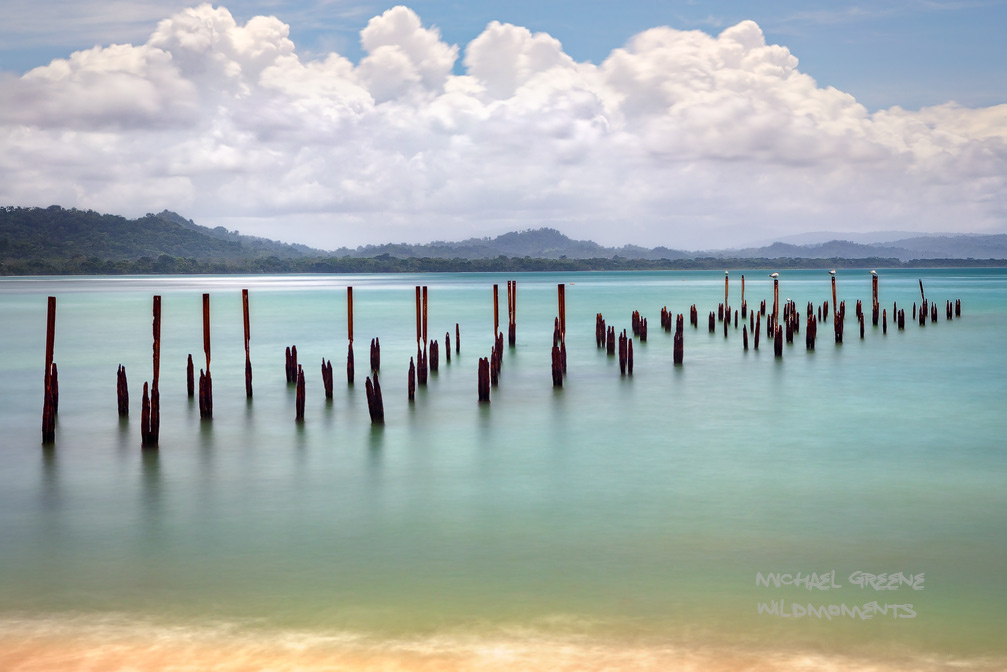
point(758, 327)
point(375, 354)
point(447, 346)
point(48, 409)
point(512, 312)
point(726, 278)
point(375, 404)
point(155, 385)
point(145, 418)
point(744, 304)
point(458, 339)
point(426, 304)
point(778, 342)
point(884, 321)
point(327, 378)
point(435, 356)
point(623, 352)
point(875, 303)
point(713, 322)
point(776, 301)
point(484, 380)
point(190, 382)
point(206, 329)
point(421, 365)
point(349, 334)
point(411, 380)
point(496, 310)
point(744, 336)
point(122, 391)
point(561, 297)
point(299, 397)
point(679, 344)
point(248, 333)
point(557, 368)
point(629, 357)
point(610, 341)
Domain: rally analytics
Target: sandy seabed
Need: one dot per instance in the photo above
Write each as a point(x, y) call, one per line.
point(85, 645)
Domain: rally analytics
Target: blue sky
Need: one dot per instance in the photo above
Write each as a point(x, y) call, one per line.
point(909, 53)
point(343, 123)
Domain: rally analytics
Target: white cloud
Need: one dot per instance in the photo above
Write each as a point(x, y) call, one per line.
point(678, 138)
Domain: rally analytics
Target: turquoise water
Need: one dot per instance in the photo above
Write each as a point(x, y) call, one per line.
point(631, 511)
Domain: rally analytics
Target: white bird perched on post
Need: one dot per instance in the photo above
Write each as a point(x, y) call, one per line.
point(774, 275)
point(874, 272)
point(832, 272)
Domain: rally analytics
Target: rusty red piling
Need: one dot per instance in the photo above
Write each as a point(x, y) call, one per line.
point(610, 341)
point(512, 312)
point(744, 336)
point(155, 394)
point(758, 328)
point(875, 303)
point(744, 304)
point(561, 298)
point(884, 321)
point(190, 382)
point(447, 346)
point(349, 334)
point(778, 342)
point(435, 356)
point(48, 407)
point(496, 310)
point(458, 339)
point(629, 357)
point(248, 334)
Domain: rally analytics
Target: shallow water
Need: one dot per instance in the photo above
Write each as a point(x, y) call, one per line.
point(626, 513)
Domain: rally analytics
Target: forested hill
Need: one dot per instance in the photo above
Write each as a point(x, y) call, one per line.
point(28, 234)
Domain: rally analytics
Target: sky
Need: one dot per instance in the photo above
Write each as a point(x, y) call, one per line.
point(693, 125)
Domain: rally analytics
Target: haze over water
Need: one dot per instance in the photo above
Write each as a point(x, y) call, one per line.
point(618, 522)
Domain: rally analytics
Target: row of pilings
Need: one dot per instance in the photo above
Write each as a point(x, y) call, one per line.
point(489, 369)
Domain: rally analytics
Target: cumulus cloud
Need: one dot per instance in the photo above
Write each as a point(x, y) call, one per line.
point(677, 138)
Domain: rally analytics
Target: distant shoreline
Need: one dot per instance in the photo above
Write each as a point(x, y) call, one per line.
point(166, 265)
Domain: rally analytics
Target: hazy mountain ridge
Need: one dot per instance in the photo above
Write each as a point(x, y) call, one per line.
point(165, 242)
point(55, 232)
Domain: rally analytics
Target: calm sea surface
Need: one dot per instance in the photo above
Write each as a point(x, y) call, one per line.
point(617, 523)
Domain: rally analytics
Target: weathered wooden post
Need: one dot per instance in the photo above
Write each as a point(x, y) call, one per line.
point(447, 346)
point(421, 355)
point(299, 397)
point(776, 298)
point(205, 383)
point(610, 341)
point(679, 343)
point(837, 321)
point(561, 296)
point(411, 380)
point(434, 355)
point(726, 309)
point(375, 354)
point(758, 327)
point(875, 303)
point(48, 405)
point(623, 352)
point(248, 332)
point(778, 342)
point(557, 368)
point(190, 381)
point(496, 310)
point(744, 304)
point(458, 339)
point(512, 312)
point(349, 334)
point(375, 404)
point(629, 357)
point(884, 321)
point(122, 391)
point(484, 380)
point(327, 377)
point(155, 394)
point(744, 336)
